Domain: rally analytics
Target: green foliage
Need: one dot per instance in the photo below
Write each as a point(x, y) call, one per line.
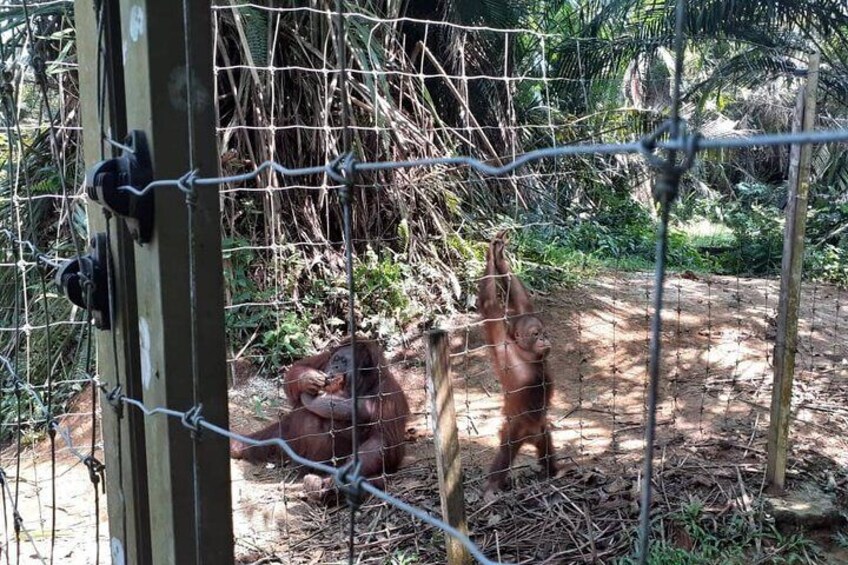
point(279, 335)
point(828, 263)
point(737, 234)
point(28, 295)
point(62, 352)
point(547, 255)
point(291, 329)
point(696, 538)
point(380, 290)
point(827, 233)
point(757, 224)
point(746, 231)
point(685, 253)
point(289, 339)
point(621, 237)
point(544, 258)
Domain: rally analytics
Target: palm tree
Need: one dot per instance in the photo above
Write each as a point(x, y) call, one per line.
point(730, 42)
point(621, 49)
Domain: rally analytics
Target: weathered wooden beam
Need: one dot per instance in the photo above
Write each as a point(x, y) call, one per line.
point(168, 76)
point(786, 341)
point(117, 349)
point(446, 440)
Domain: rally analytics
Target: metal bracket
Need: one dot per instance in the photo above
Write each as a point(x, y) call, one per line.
point(87, 276)
point(119, 186)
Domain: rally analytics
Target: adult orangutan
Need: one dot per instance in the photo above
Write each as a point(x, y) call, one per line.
point(319, 425)
point(519, 348)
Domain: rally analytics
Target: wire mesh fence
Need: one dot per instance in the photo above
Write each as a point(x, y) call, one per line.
point(604, 419)
point(286, 297)
point(51, 476)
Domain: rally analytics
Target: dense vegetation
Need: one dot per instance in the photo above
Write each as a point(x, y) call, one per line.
point(607, 68)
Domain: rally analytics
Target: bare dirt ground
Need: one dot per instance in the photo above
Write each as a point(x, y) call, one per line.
point(711, 436)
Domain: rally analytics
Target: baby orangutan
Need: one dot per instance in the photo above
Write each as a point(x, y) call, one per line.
point(519, 349)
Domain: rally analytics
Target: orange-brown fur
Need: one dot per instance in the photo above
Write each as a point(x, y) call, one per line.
point(383, 411)
point(519, 349)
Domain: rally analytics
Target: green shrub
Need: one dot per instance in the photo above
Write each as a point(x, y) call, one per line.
point(694, 537)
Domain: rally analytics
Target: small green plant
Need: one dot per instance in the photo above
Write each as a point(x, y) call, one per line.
point(261, 405)
point(289, 339)
point(402, 558)
point(381, 288)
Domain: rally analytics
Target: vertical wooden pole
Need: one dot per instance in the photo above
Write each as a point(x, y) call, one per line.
point(790, 283)
point(445, 437)
point(168, 77)
point(117, 349)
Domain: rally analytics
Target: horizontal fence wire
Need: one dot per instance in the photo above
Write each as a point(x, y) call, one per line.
point(690, 145)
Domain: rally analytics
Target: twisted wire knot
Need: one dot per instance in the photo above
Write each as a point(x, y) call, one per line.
point(342, 170)
point(349, 481)
point(669, 171)
point(192, 418)
point(96, 471)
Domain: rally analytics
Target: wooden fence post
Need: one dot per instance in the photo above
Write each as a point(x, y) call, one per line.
point(790, 283)
point(445, 438)
point(167, 56)
point(118, 361)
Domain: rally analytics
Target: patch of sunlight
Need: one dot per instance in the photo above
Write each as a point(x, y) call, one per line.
point(706, 233)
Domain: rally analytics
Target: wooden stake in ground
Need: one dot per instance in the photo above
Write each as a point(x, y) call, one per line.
point(790, 283)
point(445, 438)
